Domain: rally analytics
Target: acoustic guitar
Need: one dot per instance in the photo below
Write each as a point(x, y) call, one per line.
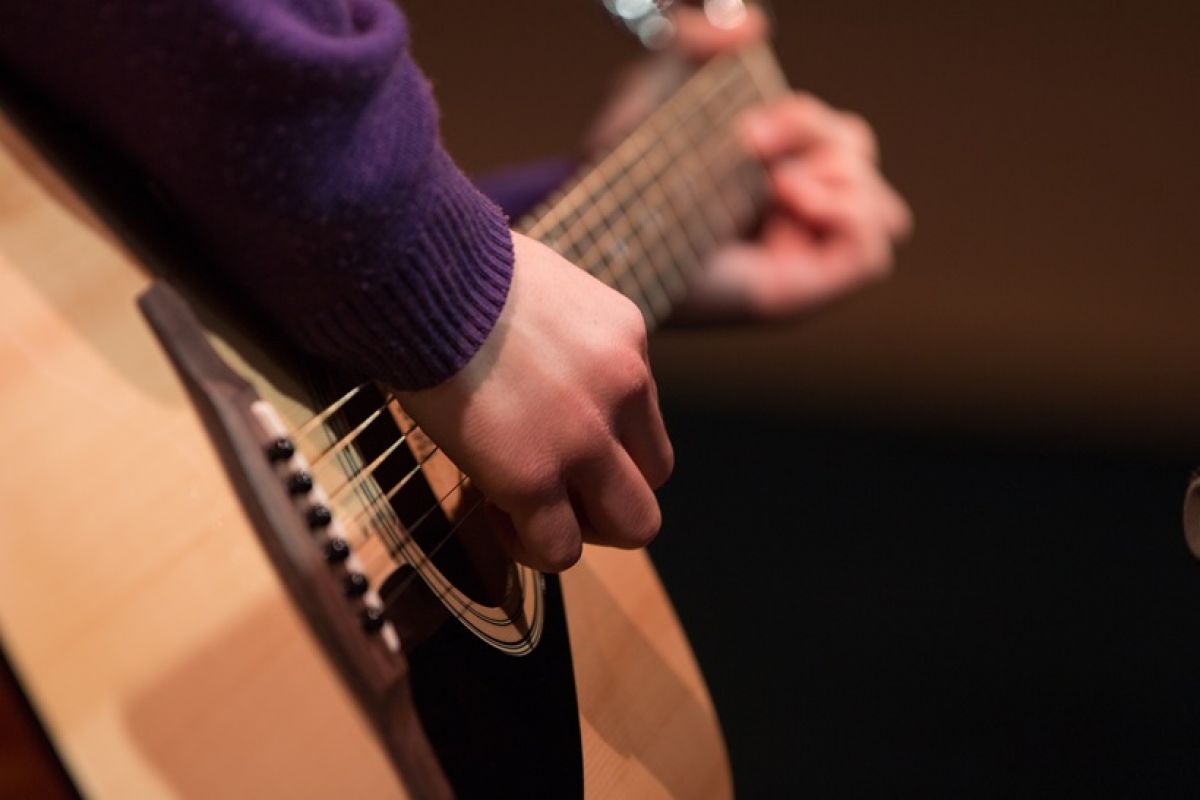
point(226, 571)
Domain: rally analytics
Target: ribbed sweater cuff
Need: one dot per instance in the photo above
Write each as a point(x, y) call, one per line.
point(416, 322)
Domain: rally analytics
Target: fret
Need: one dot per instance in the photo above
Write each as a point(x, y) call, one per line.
point(654, 298)
point(628, 225)
point(643, 225)
point(766, 73)
point(697, 173)
point(594, 252)
point(720, 112)
point(612, 246)
point(742, 206)
point(563, 202)
point(650, 211)
point(660, 240)
point(616, 219)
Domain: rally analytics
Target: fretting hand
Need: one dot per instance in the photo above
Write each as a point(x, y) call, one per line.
point(834, 219)
point(832, 225)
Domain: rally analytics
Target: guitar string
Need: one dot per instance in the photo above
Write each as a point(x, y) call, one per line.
point(560, 203)
point(358, 476)
point(721, 159)
point(361, 474)
point(372, 498)
point(387, 526)
point(399, 541)
point(385, 523)
point(367, 471)
point(425, 558)
point(631, 253)
point(598, 241)
point(403, 533)
point(630, 256)
point(345, 441)
point(565, 205)
point(660, 130)
point(597, 179)
point(309, 425)
point(756, 61)
point(662, 172)
point(348, 438)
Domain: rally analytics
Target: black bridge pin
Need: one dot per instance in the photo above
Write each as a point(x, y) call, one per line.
point(299, 483)
point(281, 449)
point(318, 516)
point(372, 619)
point(336, 550)
point(355, 584)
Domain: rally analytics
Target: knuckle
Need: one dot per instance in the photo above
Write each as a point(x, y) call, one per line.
point(623, 367)
point(593, 446)
point(537, 483)
point(637, 377)
point(631, 375)
point(631, 323)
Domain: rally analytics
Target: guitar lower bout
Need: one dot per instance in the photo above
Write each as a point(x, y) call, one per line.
point(173, 661)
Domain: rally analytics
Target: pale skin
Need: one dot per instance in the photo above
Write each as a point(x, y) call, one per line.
point(556, 417)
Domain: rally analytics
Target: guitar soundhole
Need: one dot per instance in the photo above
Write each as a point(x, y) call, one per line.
point(502, 726)
point(441, 518)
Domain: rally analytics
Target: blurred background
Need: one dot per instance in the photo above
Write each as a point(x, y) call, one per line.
point(929, 541)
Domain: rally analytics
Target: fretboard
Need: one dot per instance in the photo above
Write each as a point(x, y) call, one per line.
point(647, 214)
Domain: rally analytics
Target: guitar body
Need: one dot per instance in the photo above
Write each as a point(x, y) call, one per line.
point(147, 626)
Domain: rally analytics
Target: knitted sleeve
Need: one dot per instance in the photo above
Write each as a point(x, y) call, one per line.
point(300, 141)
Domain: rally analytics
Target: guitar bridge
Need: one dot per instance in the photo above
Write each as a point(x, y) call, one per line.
point(302, 538)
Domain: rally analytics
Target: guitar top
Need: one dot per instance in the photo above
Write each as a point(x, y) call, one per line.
point(226, 571)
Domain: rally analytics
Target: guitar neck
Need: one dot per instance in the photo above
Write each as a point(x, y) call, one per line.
point(645, 216)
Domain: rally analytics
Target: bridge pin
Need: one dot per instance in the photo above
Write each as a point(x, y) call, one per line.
point(355, 584)
point(318, 517)
point(281, 449)
point(299, 483)
point(337, 550)
point(372, 619)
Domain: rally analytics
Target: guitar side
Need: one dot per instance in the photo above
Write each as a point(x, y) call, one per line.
point(145, 623)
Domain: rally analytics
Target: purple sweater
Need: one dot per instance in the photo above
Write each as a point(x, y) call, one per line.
point(301, 141)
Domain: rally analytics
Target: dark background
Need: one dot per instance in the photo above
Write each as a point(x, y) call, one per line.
point(928, 542)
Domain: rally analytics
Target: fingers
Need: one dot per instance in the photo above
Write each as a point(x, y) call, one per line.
point(644, 436)
point(548, 535)
point(606, 500)
point(618, 505)
point(801, 122)
point(842, 210)
point(701, 35)
point(603, 490)
point(818, 203)
point(842, 170)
